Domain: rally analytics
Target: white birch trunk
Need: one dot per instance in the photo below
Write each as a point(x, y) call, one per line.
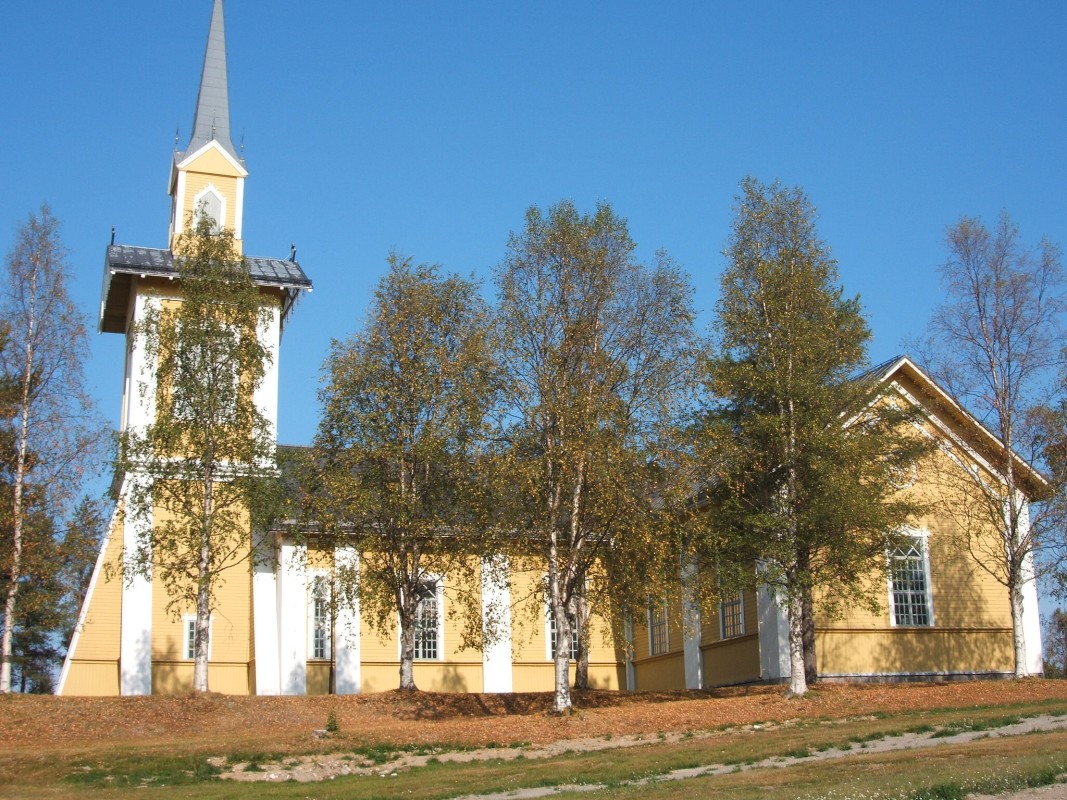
point(798, 685)
point(26, 379)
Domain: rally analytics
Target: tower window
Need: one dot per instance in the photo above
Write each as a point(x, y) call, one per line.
point(210, 208)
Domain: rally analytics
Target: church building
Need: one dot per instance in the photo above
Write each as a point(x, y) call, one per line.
point(273, 633)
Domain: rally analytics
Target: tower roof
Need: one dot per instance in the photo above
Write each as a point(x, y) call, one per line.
point(211, 119)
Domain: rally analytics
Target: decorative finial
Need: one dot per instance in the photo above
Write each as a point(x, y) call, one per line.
point(242, 145)
point(292, 252)
point(112, 235)
point(177, 134)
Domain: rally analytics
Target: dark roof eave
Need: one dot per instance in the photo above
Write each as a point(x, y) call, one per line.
point(144, 262)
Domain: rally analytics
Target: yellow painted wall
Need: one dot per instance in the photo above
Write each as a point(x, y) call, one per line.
point(731, 661)
point(971, 629)
point(913, 650)
point(92, 678)
point(231, 633)
point(94, 665)
point(318, 677)
point(660, 673)
point(212, 162)
point(533, 669)
point(736, 659)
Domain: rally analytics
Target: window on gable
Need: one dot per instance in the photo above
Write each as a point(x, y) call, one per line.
point(319, 627)
point(909, 585)
point(732, 616)
point(658, 629)
point(575, 633)
point(428, 620)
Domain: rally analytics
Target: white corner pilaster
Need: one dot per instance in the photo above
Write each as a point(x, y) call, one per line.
point(265, 613)
point(266, 394)
point(691, 623)
point(135, 646)
point(773, 636)
point(292, 619)
point(496, 625)
point(239, 211)
point(347, 675)
point(1035, 662)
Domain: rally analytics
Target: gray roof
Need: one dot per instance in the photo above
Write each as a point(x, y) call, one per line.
point(212, 117)
point(122, 262)
point(151, 261)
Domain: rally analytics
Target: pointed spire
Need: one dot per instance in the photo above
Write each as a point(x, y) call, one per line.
point(212, 117)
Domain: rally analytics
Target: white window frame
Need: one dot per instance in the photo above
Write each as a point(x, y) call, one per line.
point(313, 583)
point(439, 584)
point(658, 622)
point(189, 636)
point(920, 540)
point(550, 634)
point(736, 603)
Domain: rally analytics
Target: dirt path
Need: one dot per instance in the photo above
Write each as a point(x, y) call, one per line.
point(324, 767)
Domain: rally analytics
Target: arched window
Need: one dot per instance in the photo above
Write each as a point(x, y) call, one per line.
point(209, 206)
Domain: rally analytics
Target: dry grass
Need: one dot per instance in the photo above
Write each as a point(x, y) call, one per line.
point(465, 719)
point(44, 740)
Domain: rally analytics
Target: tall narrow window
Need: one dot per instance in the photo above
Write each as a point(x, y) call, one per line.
point(189, 636)
point(319, 623)
point(658, 629)
point(909, 584)
point(732, 616)
point(428, 621)
point(575, 634)
point(209, 208)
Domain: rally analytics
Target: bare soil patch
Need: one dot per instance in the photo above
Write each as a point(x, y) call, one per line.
point(287, 724)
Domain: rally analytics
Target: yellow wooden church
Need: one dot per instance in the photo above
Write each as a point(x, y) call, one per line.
point(942, 616)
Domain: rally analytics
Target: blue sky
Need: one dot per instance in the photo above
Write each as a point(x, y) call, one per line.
point(430, 127)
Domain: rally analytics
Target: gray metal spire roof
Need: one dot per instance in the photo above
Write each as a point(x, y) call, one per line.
point(212, 117)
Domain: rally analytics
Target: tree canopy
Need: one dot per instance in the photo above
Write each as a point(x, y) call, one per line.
point(801, 467)
point(596, 352)
point(50, 434)
point(996, 345)
point(395, 467)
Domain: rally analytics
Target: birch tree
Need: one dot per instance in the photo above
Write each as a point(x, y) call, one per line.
point(394, 470)
point(800, 467)
point(51, 432)
point(996, 345)
point(596, 351)
point(209, 450)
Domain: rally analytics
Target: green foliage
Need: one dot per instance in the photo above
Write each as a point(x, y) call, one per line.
point(332, 725)
point(1055, 638)
point(803, 468)
point(210, 448)
point(396, 463)
point(596, 349)
point(49, 436)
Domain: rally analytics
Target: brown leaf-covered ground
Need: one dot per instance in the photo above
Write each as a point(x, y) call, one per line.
point(54, 724)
